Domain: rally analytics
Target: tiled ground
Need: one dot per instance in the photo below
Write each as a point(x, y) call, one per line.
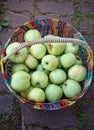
point(78, 117)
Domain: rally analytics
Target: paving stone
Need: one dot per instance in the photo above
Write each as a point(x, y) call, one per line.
point(86, 25)
point(90, 92)
point(60, 8)
point(90, 40)
point(37, 128)
point(5, 34)
point(89, 111)
point(6, 102)
point(86, 6)
point(53, 119)
point(16, 19)
point(3, 88)
point(19, 5)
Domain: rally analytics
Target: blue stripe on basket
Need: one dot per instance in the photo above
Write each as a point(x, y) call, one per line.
point(6, 81)
point(89, 75)
point(43, 26)
point(82, 51)
point(5, 46)
point(83, 39)
point(83, 55)
point(52, 106)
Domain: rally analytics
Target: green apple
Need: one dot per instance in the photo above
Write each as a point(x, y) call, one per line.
point(67, 60)
point(56, 48)
point(38, 50)
point(57, 76)
point(20, 81)
point(53, 93)
point(40, 68)
point(28, 49)
point(59, 62)
point(78, 60)
point(77, 72)
point(31, 61)
point(71, 88)
point(32, 35)
point(25, 94)
point(48, 36)
point(31, 72)
point(49, 62)
point(19, 66)
point(19, 56)
point(72, 48)
point(39, 79)
point(36, 95)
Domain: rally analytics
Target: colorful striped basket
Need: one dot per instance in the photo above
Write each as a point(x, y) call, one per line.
point(68, 34)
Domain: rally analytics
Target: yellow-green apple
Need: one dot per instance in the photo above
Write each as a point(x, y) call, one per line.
point(72, 48)
point(19, 66)
point(20, 81)
point(53, 93)
point(36, 95)
point(19, 56)
point(71, 88)
point(31, 61)
point(67, 60)
point(57, 76)
point(38, 50)
point(49, 62)
point(55, 48)
point(25, 94)
point(48, 36)
point(32, 35)
point(39, 79)
point(77, 72)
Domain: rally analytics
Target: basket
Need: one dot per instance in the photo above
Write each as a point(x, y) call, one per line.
point(67, 34)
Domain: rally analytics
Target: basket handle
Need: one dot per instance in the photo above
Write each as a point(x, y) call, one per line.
point(47, 40)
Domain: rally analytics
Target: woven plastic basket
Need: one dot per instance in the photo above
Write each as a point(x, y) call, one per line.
point(67, 34)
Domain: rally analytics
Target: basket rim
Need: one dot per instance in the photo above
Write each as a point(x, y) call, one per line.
point(68, 102)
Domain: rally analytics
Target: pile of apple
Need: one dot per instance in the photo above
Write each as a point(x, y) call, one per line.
point(46, 72)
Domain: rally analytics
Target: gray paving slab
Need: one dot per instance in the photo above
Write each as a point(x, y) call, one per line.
point(19, 6)
point(6, 106)
point(53, 119)
point(60, 8)
point(90, 41)
point(16, 19)
point(86, 6)
point(86, 25)
point(4, 36)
